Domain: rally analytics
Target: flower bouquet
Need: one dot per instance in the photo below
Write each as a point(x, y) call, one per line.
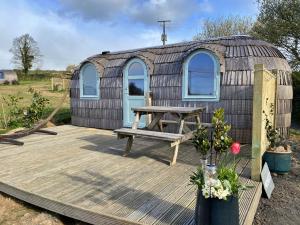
point(218, 182)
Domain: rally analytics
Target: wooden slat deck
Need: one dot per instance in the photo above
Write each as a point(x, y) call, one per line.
point(81, 173)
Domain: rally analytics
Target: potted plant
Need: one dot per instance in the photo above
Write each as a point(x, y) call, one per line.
point(218, 185)
point(202, 144)
point(278, 153)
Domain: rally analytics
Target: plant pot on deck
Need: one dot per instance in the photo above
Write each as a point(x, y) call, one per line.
point(202, 211)
point(224, 212)
point(212, 211)
point(278, 161)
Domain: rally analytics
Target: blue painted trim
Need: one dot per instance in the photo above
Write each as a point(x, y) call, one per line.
point(126, 97)
point(89, 97)
point(216, 96)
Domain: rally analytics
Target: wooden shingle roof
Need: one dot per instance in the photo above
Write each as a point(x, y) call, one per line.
point(168, 59)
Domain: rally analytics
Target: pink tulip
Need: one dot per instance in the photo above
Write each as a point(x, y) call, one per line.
point(235, 148)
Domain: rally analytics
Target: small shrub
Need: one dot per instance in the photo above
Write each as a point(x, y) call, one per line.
point(25, 116)
point(6, 82)
point(15, 82)
point(221, 138)
point(201, 141)
point(15, 112)
point(36, 109)
point(63, 116)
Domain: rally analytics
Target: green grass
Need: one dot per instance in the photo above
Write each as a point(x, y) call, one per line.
point(295, 132)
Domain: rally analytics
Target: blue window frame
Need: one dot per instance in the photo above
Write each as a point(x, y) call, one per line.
point(89, 80)
point(201, 77)
point(1, 75)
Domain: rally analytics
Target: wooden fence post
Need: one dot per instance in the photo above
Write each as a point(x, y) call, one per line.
point(52, 84)
point(263, 97)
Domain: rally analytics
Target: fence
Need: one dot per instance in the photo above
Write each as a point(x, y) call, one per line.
point(59, 84)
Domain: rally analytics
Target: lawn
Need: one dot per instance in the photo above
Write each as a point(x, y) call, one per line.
point(44, 87)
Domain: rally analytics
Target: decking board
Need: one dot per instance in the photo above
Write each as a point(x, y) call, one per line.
point(81, 173)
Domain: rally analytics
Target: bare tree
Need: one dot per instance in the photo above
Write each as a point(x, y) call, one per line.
point(225, 26)
point(25, 52)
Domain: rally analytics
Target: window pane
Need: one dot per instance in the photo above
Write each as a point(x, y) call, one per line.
point(1, 75)
point(201, 75)
point(135, 69)
point(136, 86)
point(89, 81)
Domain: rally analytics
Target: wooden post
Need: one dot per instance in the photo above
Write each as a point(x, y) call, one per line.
point(275, 72)
point(52, 84)
point(63, 83)
point(263, 96)
point(149, 103)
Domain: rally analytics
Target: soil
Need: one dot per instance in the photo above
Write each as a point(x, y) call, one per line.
point(284, 205)
point(15, 212)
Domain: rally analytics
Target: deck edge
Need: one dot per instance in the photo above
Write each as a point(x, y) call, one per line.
point(254, 205)
point(64, 209)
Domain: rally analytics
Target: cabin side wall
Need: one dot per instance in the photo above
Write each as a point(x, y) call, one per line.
point(104, 113)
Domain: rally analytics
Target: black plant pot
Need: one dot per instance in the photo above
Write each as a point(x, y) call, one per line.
point(202, 211)
point(224, 212)
point(213, 211)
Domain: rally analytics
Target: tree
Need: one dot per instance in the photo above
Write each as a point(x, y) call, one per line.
point(70, 68)
point(25, 52)
point(278, 22)
point(225, 26)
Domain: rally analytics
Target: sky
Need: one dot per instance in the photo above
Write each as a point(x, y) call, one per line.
point(68, 31)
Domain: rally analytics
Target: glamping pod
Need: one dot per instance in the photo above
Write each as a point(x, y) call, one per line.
point(211, 73)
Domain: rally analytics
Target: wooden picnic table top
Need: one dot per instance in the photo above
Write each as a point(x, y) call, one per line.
point(168, 109)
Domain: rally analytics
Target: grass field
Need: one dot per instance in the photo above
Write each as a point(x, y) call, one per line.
point(43, 86)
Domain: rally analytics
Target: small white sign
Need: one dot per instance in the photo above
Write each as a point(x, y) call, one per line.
point(267, 180)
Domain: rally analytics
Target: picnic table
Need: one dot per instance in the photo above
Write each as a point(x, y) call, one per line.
point(179, 115)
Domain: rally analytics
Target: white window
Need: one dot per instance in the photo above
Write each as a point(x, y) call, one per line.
point(201, 77)
point(89, 82)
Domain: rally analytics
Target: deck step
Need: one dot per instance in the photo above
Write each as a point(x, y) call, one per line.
point(149, 134)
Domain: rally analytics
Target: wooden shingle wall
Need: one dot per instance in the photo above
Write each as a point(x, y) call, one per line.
point(237, 54)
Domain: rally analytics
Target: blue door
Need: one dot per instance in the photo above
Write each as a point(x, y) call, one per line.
point(135, 87)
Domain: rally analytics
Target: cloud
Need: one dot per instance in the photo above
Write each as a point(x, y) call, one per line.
point(148, 12)
point(103, 10)
point(144, 12)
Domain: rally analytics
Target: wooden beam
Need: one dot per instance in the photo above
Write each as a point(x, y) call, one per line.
point(263, 95)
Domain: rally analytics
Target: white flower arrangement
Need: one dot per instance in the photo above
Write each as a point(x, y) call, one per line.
point(214, 188)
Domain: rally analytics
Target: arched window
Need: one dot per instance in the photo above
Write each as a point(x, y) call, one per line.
point(89, 82)
point(201, 79)
point(136, 75)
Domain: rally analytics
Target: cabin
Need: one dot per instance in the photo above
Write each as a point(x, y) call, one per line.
point(208, 73)
point(8, 76)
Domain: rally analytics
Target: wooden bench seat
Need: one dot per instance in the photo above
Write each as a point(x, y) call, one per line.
point(174, 139)
point(209, 125)
point(149, 134)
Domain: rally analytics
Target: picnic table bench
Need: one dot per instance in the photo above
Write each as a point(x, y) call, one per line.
point(180, 115)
